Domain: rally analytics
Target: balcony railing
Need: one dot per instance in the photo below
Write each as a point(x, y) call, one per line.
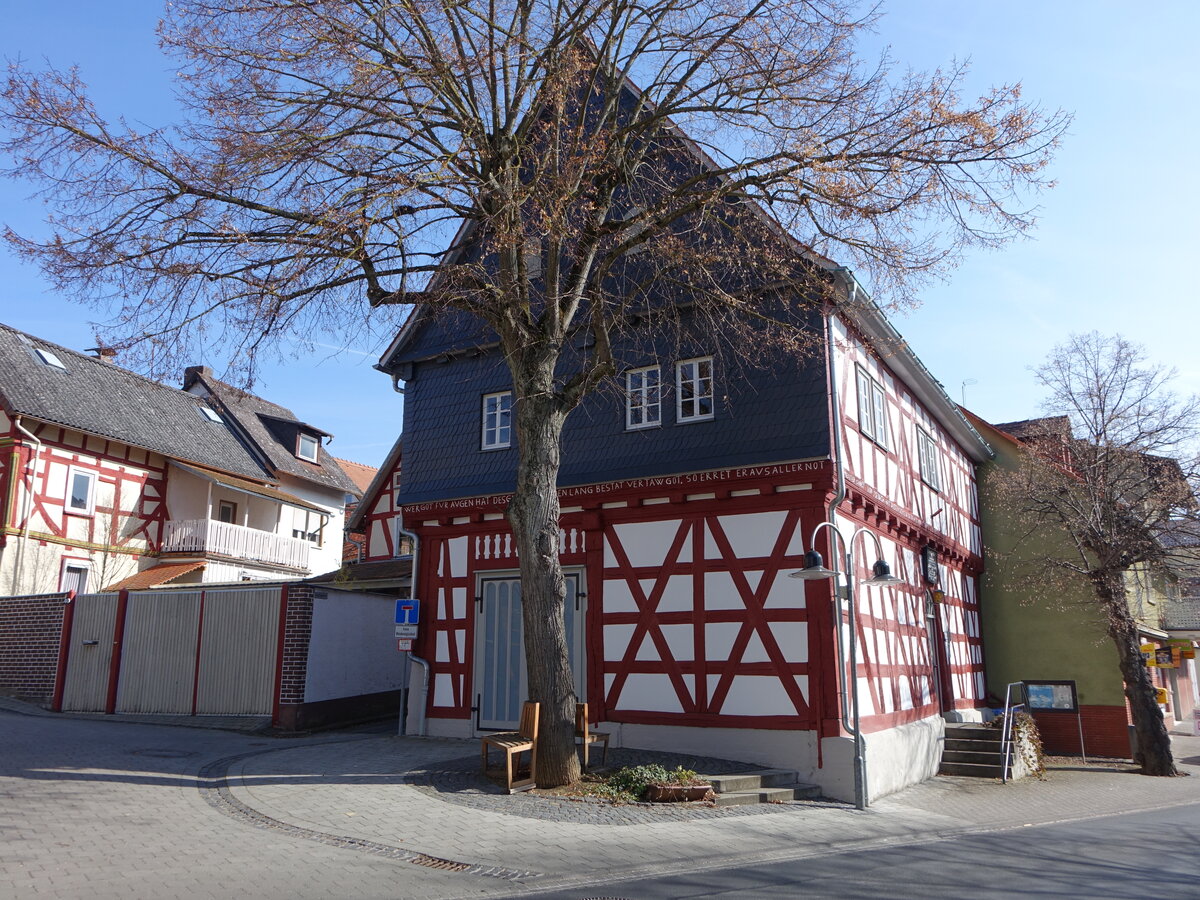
point(234, 541)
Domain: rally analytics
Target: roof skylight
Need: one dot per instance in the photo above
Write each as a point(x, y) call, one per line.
point(209, 414)
point(49, 358)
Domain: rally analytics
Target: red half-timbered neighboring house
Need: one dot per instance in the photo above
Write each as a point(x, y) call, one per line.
point(110, 480)
point(687, 499)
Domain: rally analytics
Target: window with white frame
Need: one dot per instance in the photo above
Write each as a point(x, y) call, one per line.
point(643, 406)
point(694, 389)
point(74, 575)
point(306, 446)
point(81, 492)
point(927, 454)
point(497, 420)
point(872, 408)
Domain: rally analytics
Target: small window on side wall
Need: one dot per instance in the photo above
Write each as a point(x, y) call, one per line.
point(927, 454)
point(81, 492)
point(497, 420)
point(306, 446)
point(643, 406)
point(872, 408)
point(694, 390)
point(74, 576)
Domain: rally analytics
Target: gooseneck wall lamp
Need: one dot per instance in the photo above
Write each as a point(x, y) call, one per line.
point(815, 570)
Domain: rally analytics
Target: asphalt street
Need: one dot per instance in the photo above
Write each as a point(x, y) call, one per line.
point(97, 808)
point(1139, 855)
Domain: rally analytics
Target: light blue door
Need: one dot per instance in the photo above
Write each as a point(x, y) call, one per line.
point(501, 682)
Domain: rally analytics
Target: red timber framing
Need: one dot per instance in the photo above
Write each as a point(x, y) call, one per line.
point(379, 523)
point(131, 523)
point(691, 619)
point(690, 616)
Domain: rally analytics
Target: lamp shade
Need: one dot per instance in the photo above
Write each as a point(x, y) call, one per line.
point(814, 568)
point(883, 574)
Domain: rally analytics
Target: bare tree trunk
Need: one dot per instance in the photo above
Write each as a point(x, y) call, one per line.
point(1153, 739)
point(533, 514)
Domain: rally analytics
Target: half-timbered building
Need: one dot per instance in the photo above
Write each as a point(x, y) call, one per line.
point(688, 496)
point(109, 480)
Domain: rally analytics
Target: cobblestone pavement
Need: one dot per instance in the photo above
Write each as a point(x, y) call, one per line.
point(103, 809)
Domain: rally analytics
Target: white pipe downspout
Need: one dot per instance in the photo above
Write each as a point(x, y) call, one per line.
point(412, 594)
point(851, 716)
point(26, 501)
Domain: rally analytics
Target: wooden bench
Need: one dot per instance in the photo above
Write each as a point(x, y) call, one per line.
point(514, 743)
point(586, 736)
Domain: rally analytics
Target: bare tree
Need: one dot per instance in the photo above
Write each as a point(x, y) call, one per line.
point(1114, 481)
point(334, 148)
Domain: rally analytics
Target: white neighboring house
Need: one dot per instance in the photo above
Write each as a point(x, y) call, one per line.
point(110, 480)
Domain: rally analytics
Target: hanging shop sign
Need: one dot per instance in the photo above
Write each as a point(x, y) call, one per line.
point(1166, 658)
point(929, 565)
point(1187, 650)
point(1148, 654)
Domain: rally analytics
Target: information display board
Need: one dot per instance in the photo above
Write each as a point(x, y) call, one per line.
point(1054, 696)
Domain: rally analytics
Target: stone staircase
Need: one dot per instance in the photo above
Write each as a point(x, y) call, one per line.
point(973, 749)
point(760, 786)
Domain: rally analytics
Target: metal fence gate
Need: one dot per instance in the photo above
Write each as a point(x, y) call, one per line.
point(185, 652)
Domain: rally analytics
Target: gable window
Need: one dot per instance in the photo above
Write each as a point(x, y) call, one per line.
point(497, 420)
point(306, 446)
point(872, 408)
point(81, 492)
point(643, 407)
point(74, 576)
point(694, 390)
point(927, 454)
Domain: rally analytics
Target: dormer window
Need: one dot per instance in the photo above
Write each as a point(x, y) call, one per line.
point(306, 447)
point(49, 358)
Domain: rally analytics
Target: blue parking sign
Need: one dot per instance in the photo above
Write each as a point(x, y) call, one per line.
point(408, 612)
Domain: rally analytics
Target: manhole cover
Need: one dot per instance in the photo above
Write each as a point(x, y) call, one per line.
point(165, 754)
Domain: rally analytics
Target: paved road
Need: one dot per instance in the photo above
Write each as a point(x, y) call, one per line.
point(1136, 856)
point(105, 809)
point(113, 810)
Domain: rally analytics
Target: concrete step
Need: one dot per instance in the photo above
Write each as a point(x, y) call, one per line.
point(957, 744)
point(984, 757)
point(751, 781)
point(975, 770)
point(769, 795)
point(973, 732)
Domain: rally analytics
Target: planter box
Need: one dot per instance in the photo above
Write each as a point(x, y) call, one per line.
point(678, 793)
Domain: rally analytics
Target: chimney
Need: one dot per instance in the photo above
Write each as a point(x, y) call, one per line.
point(191, 373)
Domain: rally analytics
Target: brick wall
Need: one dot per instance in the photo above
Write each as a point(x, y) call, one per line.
point(1105, 731)
point(297, 633)
point(30, 631)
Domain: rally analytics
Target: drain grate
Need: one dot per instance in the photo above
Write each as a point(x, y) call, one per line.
point(432, 862)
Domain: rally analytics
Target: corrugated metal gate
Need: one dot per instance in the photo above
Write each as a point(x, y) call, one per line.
point(90, 652)
point(185, 652)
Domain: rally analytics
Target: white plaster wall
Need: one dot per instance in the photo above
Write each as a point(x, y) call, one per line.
point(902, 756)
point(187, 495)
point(38, 568)
point(779, 749)
point(328, 556)
point(353, 647)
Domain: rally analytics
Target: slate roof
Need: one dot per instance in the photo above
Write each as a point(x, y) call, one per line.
point(272, 429)
point(100, 398)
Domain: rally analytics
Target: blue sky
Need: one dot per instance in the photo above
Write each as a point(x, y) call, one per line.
point(1110, 252)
